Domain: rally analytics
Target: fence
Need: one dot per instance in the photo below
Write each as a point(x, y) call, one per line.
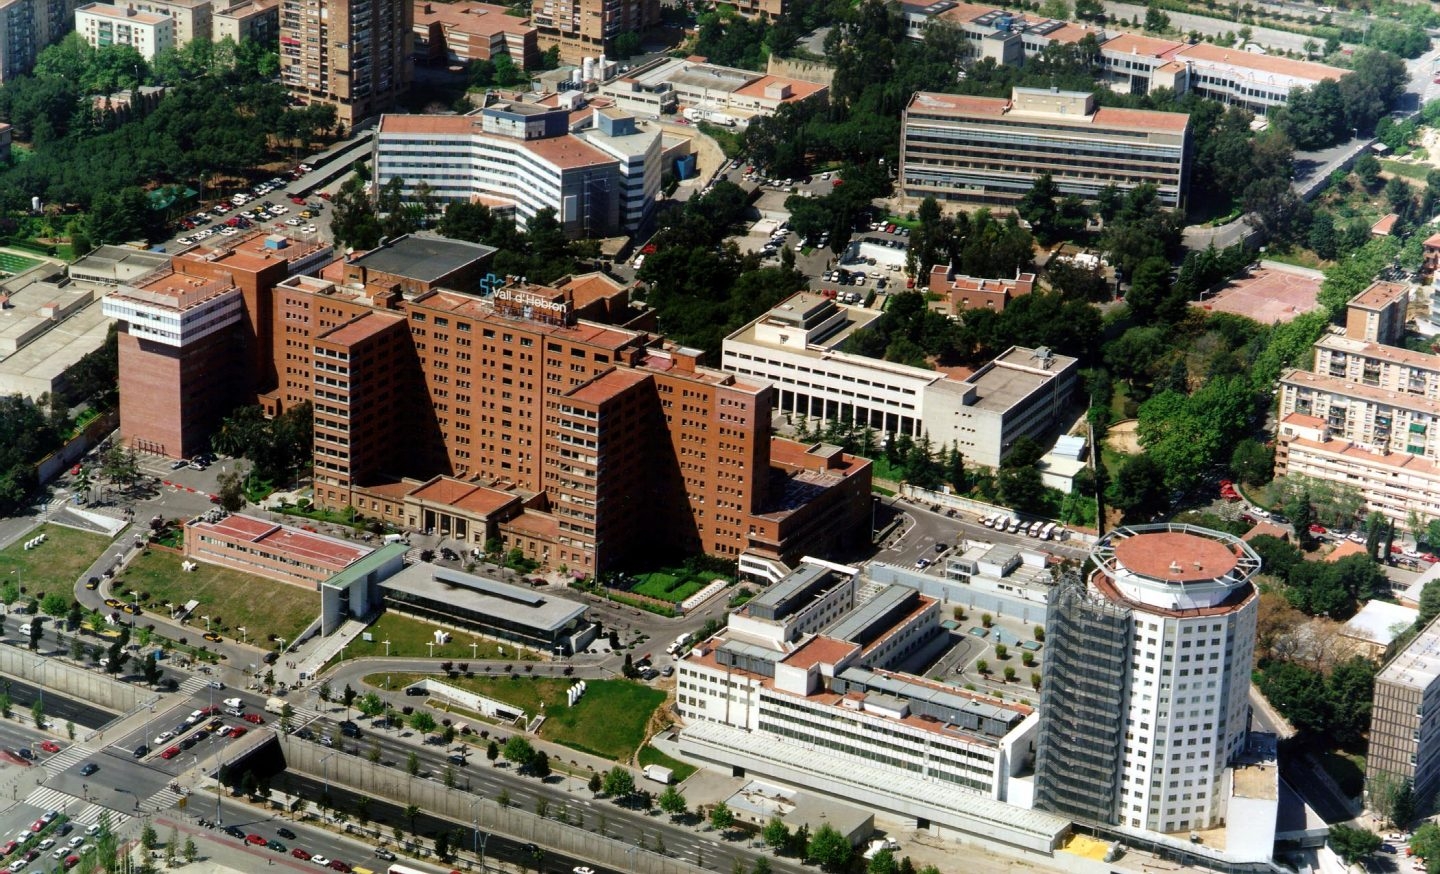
point(373, 779)
point(71, 680)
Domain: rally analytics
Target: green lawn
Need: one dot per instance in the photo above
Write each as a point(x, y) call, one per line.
point(408, 637)
point(1403, 168)
point(608, 721)
point(54, 565)
point(230, 598)
point(672, 585)
point(651, 756)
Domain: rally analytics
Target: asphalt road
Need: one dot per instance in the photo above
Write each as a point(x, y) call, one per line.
point(483, 778)
point(57, 707)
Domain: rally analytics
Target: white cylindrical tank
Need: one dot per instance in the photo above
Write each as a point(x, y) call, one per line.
point(34, 204)
point(575, 75)
point(601, 69)
point(588, 65)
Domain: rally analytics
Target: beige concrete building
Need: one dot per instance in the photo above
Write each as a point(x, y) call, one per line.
point(588, 28)
point(105, 25)
point(1367, 414)
point(192, 18)
point(258, 20)
point(990, 150)
point(454, 33)
point(1405, 716)
point(352, 54)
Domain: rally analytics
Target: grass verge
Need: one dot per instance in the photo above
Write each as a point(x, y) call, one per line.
point(54, 565)
point(408, 636)
point(608, 721)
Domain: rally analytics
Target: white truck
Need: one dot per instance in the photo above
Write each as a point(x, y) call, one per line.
point(660, 774)
point(274, 705)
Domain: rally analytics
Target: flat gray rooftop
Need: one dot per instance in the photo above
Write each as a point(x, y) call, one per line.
point(116, 265)
point(422, 258)
point(517, 604)
point(1014, 376)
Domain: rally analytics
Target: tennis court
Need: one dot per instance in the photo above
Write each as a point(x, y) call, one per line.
point(1268, 295)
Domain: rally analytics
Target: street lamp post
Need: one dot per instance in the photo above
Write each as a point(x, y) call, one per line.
point(387, 647)
point(244, 634)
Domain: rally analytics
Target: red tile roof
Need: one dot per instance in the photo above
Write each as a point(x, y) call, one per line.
point(1175, 556)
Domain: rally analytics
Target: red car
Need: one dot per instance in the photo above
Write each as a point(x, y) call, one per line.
point(50, 746)
point(237, 731)
point(38, 825)
point(340, 866)
point(325, 195)
point(256, 840)
point(71, 862)
point(9, 848)
point(1318, 529)
point(300, 854)
point(171, 753)
point(255, 718)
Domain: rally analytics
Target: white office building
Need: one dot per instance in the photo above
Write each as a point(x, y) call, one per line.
point(1162, 638)
point(797, 347)
point(519, 158)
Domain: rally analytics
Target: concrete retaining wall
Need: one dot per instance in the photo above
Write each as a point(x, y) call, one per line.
point(807, 71)
point(72, 681)
point(61, 459)
point(360, 775)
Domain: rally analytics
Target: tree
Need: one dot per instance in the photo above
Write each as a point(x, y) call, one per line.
point(172, 847)
point(1353, 844)
point(149, 839)
point(883, 862)
point(412, 764)
point(1429, 603)
point(776, 833)
point(619, 782)
point(37, 630)
point(761, 866)
point(348, 696)
point(672, 802)
point(829, 849)
point(540, 764)
point(492, 751)
point(594, 784)
point(190, 854)
point(150, 668)
point(519, 752)
point(722, 817)
point(1392, 797)
point(325, 691)
point(1139, 488)
point(422, 721)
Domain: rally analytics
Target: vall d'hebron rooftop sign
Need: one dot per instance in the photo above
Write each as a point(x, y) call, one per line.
point(533, 307)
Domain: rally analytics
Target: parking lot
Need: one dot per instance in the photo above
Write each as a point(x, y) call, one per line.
point(266, 206)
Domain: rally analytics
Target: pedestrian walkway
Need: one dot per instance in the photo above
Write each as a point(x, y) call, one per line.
point(92, 815)
point(51, 799)
point(320, 650)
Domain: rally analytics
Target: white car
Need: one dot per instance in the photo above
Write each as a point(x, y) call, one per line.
point(294, 222)
point(234, 702)
point(45, 844)
point(320, 860)
point(184, 241)
point(310, 229)
point(229, 232)
point(92, 829)
point(161, 738)
point(18, 865)
point(77, 841)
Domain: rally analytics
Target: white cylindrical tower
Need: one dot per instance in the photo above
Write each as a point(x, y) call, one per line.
point(588, 66)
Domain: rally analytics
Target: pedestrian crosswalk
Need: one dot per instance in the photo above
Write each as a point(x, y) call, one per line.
point(162, 800)
point(94, 813)
point(193, 684)
point(67, 757)
point(52, 799)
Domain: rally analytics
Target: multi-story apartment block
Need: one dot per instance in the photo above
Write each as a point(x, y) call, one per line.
point(105, 25)
point(588, 28)
point(519, 158)
point(1404, 728)
point(26, 27)
point(1161, 637)
point(454, 33)
point(1368, 414)
point(1131, 62)
point(193, 18)
point(802, 686)
point(352, 54)
point(258, 20)
point(797, 348)
point(990, 150)
point(962, 293)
